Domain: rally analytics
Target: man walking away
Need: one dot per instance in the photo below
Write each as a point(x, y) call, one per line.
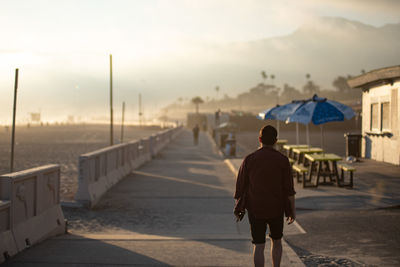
point(264, 188)
point(196, 131)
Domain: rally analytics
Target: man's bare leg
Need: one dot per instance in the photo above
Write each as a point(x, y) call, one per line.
point(258, 254)
point(276, 252)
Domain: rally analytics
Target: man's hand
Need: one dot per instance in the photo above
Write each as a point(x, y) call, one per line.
point(239, 214)
point(291, 219)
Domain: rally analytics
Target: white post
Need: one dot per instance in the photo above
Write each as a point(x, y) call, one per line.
point(322, 137)
point(277, 126)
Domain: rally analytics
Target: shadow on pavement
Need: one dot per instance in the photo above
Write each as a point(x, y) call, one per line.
point(72, 250)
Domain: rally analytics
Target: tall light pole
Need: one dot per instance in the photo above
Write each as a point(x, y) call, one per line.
point(13, 125)
point(122, 122)
point(111, 104)
point(140, 110)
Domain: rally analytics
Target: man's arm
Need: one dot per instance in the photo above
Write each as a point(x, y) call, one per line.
point(241, 187)
point(289, 191)
point(290, 219)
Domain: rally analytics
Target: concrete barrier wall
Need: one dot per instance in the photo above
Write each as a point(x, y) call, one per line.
point(29, 208)
point(102, 169)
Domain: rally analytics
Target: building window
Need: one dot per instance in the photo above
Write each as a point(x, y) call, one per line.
point(385, 116)
point(374, 117)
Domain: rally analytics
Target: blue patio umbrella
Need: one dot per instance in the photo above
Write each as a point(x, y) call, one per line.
point(267, 115)
point(283, 112)
point(319, 111)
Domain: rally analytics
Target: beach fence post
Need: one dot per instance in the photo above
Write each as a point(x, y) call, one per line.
point(140, 110)
point(13, 125)
point(122, 123)
point(111, 104)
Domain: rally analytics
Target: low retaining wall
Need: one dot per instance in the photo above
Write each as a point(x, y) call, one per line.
point(101, 169)
point(30, 208)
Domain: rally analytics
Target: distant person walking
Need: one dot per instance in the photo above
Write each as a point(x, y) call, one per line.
point(264, 188)
point(196, 131)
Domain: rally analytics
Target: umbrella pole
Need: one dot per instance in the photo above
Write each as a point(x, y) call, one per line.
point(307, 135)
point(322, 137)
point(297, 133)
point(277, 127)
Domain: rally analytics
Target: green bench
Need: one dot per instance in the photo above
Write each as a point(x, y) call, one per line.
point(346, 168)
point(301, 171)
point(291, 161)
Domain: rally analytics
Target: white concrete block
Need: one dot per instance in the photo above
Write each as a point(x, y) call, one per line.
point(37, 228)
point(8, 248)
point(35, 212)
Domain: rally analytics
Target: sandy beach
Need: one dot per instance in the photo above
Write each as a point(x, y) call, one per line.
point(60, 144)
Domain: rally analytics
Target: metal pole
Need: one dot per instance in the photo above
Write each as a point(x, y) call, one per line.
point(277, 126)
point(322, 137)
point(297, 133)
point(111, 105)
point(140, 110)
point(122, 123)
point(307, 135)
point(13, 125)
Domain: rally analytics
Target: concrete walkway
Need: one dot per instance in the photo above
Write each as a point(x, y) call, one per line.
point(174, 211)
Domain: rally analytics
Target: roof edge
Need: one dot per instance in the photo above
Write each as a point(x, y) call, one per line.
point(374, 77)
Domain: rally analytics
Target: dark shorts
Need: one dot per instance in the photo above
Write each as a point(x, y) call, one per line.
point(259, 228)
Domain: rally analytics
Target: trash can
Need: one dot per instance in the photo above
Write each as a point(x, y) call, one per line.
point(223, 137)
point(353, 144)
point(230, 149)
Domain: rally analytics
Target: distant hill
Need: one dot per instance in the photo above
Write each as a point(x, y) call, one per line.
point(326, 48)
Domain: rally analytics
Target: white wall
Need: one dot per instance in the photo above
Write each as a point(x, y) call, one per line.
point(376, 145)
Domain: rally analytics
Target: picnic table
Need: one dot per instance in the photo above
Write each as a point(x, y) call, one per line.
point(289, 149)
point(280, 143)
point(298, 153)
point(323, 161)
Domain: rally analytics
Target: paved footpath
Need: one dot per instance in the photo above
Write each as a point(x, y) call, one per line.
point(174, 211)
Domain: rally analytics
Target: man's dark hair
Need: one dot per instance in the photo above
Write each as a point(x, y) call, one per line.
point(268, 135)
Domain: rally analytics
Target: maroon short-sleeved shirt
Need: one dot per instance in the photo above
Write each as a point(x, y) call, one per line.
point(264, 183)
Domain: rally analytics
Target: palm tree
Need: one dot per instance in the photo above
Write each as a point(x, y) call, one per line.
point(264, 75)
point(308, 76)
point(197, 101)
point(217, 90)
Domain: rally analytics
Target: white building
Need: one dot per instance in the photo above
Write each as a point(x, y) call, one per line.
point(380, 113)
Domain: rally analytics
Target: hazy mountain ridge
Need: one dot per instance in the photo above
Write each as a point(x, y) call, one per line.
point(325, 49)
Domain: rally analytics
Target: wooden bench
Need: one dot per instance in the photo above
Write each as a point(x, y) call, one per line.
point(301, 171)
point(291, 161)
point(346, 168)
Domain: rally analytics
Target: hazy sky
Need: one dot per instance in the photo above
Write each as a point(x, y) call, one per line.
point(62, 47)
